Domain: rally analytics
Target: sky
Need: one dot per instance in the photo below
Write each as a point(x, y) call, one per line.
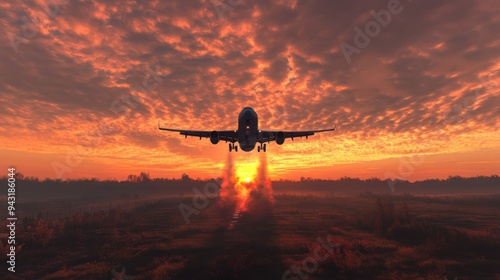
point(412, 86)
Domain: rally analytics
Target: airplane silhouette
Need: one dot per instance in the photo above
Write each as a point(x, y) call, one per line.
point(248, 133)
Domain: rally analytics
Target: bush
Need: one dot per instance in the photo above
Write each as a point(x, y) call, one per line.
point(37, 232)
point(385, 217)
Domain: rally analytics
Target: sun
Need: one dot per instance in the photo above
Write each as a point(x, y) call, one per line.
point(245, 172)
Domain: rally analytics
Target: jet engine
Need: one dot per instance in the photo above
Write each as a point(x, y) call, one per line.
point(280, 138)
point(214, 137)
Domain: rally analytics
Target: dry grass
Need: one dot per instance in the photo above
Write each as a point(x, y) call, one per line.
point(387, 238)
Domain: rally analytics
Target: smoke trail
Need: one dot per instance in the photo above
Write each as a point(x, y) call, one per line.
point(261, 195)
point(263, 180)
point(229, 178)
point(228, 187)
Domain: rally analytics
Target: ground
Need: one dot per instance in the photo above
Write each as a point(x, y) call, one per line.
point(297, 237)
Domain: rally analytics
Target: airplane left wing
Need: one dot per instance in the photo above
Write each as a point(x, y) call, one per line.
point(224, 135)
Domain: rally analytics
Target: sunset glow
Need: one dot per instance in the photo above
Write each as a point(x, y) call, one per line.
point(246, 173)
point(243, 191)
point(263, 139)
point(82, 96)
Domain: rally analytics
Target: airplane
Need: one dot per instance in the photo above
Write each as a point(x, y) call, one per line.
point(247, 134)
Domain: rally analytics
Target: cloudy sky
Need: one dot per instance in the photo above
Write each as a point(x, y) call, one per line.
point(84, 83)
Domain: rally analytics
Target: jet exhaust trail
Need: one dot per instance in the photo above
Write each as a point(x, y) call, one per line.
point(254, 195)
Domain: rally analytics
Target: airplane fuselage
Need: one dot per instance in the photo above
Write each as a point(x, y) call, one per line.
point(248, 129)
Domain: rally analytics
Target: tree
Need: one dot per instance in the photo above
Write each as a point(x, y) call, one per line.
point(132, 178)
point(144, 177)
point(185, 177)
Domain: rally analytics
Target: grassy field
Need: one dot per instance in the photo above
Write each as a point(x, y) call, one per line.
point(299, 237)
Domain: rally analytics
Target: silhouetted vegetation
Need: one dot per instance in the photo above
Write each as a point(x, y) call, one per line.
point(139, 186)
point(453, 184)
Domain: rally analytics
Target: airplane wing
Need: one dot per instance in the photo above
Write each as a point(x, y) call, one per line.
point(272, 135)
point(224, 135)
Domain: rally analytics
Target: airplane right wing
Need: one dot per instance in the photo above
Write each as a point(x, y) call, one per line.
point(280, 136)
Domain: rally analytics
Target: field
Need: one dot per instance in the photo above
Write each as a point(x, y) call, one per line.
point(299, 236)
